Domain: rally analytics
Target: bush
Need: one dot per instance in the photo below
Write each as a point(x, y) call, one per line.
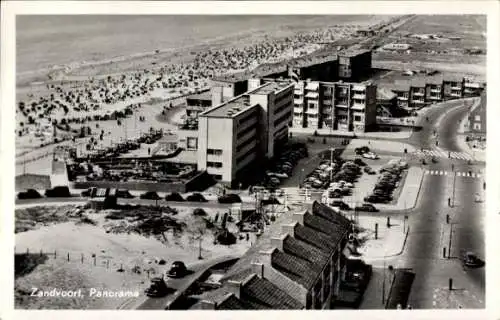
point(150, 195)
point(199, 212)
point(29, 194)
point(225, 237)
point(174, 196)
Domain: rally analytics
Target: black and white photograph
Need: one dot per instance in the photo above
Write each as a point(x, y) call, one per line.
point(250, 161)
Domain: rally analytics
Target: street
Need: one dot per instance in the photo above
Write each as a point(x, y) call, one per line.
point(430, 233)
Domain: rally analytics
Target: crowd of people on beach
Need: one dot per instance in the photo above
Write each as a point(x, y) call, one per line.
point(90, 97)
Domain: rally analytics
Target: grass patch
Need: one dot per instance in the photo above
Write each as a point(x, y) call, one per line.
point(25, 263)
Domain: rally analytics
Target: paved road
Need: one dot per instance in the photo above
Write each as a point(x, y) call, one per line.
point(429, 233)
point(179, 285)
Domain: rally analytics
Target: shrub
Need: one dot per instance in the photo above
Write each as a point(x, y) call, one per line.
point(58, 192)
point(199, 212)
point(225, 237)
point(196, 197)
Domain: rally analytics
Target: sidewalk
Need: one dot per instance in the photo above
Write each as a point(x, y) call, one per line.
point(390, 241)
point(376, 145)
point(409, 193)
point(328, 132)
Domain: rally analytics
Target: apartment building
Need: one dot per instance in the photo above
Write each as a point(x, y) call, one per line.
point(244, 130)
point(298, 263)
point(453, 87)
point(336, 105)
point(354, 64)
point(473, 88)
point(197, 103)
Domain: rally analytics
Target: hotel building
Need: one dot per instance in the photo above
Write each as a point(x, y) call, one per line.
point(244, 130)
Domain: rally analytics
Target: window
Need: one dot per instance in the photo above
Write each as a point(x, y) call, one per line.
point(284, 117)
point(477, 126)
point(357, 118)
point(342, 101)
point(192, 143)
point(297, 96)
point(252, 114)
point(477, 118)
point(311, 106)
point(217, 176)
point(244, 156)
point(217, 152)
point(214, 164)
point(244, 143)
point(247, 130)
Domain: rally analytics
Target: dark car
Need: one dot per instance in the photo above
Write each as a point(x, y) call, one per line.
point(377, 198)
point(196, 197)
point(366, 207)
point(470, 260)
point(229, 198)
point(157, 288)
point(29, 194)
point(341, 205)
point(369, 170)
point(150, 195)
point(58, 192)
point(361, 150)
point(174, 196)
point(178, 270)
point(124, 193)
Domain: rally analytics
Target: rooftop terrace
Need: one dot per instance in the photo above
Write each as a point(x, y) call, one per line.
point(235, 106)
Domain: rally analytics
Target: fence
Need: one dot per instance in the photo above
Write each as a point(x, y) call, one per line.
point(97, 261)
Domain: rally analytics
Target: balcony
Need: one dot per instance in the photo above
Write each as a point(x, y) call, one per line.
point(359, 96)
point(419, 93)
point(327, 102)
point(298, 102)
point(435, 89)
point(402, 98)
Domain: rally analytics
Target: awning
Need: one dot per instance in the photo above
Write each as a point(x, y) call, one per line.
point(312, 95)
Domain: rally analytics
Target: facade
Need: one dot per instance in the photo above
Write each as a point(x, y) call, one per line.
point(416, 93)
point(354, 64)
point(197, 103)
point(386, 102)
point(477, 117)
point(224, 89)
point(335, 105)
point(242, 131)
point(298, 263)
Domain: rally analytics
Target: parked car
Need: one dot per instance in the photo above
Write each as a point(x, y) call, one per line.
point(150, 195)
point(175, 197)
point(196, 197)
point(341, 205)
point(470, 260)
point(157, 288)
point(29, 194)
point(366, 207)
point(369, 170)
point(370, 155)
point(362, 150)
point(58, 192)
point(123, 193)
point(229, 198)
point(178, 270)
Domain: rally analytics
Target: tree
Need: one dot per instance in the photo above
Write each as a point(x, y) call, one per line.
point(196, 228)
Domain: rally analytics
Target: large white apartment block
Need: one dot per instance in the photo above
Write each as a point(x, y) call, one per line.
point(244, 130)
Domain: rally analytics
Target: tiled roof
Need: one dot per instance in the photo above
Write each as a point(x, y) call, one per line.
point(233, 303)
point(262, 293)
point(305, 251)
point(326, 212)
point(298, 270)
point(311, 236)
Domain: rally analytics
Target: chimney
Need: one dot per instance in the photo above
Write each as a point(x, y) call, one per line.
point(258, 269)
point(298, 217)
point(277, 242)
point(208, 305)
point(289, 229)
point(234, 287)
point(265, 256)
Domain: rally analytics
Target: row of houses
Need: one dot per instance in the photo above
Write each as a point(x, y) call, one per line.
point(299, 262)
point(416, 93)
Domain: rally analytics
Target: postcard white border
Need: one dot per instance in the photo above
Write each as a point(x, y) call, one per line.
point(7, 145)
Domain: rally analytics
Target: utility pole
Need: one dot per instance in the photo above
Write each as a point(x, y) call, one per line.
point(453, 193)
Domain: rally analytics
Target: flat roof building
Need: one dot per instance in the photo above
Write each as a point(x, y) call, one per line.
point(244, 130)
